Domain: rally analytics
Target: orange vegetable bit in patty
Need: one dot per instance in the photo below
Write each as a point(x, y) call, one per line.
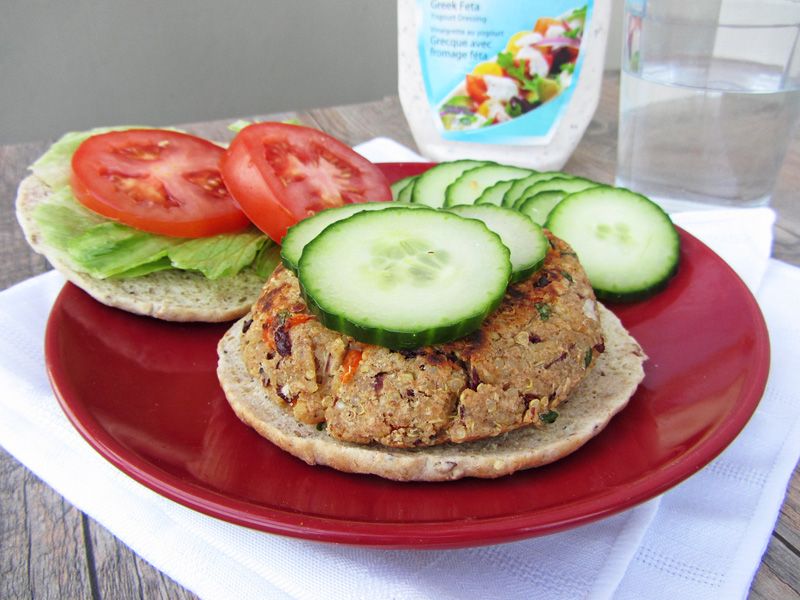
point(350, 365)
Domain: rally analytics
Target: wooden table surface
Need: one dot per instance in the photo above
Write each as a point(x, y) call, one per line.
point(49, 549)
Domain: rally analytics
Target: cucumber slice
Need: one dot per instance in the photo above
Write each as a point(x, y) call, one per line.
point(405, 193)
point(404, 278)
point(626, 243)
point(431, 185)
point(398, 186)
point(494, 194)
point(523, 237)
point(472, 183)
point(306, 230)
point(567, 184)
point(520, 185)
point(539, 206)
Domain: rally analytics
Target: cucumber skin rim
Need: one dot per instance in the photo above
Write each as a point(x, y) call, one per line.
point(549, 175)
point(638, 295)
point(530, 201)
point(432, 170)
point(526, 272)
point(406, 340)
point(405, 194)
point(399, 340)
point(527, 195)
point(646, 291)
point(507, 182)
point(447, 194)
point(405, 181)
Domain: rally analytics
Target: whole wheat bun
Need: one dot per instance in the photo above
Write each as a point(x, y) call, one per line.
point(602, 394)
point(171, 295)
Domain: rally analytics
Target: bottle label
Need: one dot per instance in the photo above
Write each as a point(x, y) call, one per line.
point(500, 71)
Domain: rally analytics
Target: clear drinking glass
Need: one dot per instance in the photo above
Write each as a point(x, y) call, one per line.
point(709, 97)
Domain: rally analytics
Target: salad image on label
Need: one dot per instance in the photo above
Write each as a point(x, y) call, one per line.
point(535, 66)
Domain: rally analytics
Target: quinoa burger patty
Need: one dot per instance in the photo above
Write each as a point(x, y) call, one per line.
point(524, 360)
point(419, 414)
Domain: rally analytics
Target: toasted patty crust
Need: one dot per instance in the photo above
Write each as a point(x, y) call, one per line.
point(514, 371)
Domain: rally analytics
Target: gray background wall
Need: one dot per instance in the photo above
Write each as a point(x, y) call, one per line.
point(81, 63)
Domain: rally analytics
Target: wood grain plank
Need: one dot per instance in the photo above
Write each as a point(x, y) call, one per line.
point(120, 573)
point(779, 572)
point(788, 526)
point(596, 155)
point(785, 201)
point(18, 260)
point(768, 585)
point(218, 130)
point(14, 535)
point(358, 123)
point(41, 537)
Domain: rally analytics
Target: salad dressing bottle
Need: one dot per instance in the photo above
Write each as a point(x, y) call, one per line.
point(511, 81)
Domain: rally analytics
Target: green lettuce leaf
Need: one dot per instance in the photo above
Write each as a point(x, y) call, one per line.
point(90, 243)
point(578, 13)
point(159, 265)
point(267, 259)
point(111, 248)
point(238, 125)
point(218, 256)
point(518, 72)
point(62, 219)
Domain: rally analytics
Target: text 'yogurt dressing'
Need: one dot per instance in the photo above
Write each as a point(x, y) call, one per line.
point(514, 81)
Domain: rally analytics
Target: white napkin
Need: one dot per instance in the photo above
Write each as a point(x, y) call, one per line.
point(383, 149)
point(743, 237)
point(703, 539)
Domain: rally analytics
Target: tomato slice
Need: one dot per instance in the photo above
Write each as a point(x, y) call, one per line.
point(476, 88)
point(157, 181)
point(280, 174)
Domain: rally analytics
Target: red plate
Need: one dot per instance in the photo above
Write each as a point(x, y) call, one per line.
point(144, 394)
